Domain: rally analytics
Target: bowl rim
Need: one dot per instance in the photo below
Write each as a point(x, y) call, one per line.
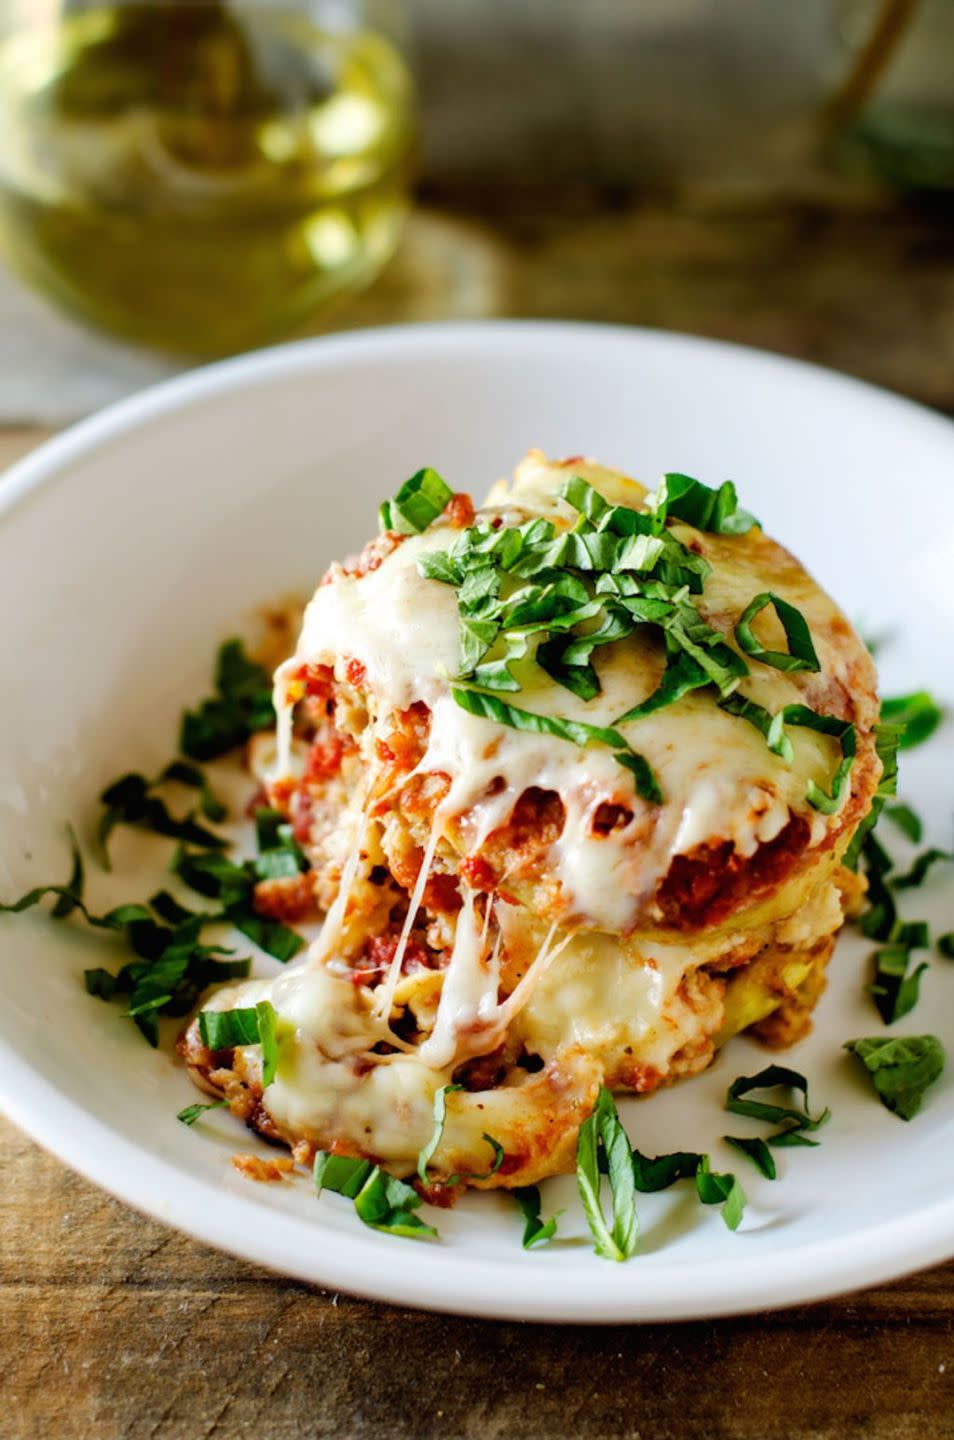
point(145, 1179)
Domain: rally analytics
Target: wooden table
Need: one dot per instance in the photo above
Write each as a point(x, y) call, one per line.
point(113, 1326)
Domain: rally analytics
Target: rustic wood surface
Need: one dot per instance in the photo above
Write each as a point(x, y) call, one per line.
point(113, 1326)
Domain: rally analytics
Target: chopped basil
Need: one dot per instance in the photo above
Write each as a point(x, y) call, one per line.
point(172, 968)
point(380, 1201)
point(385, 1203)
point(894, 990)
point(535, 1230)
point(658, 1173)
point(130, 801)
point(757, 1151)
point(241, 706)
point(723, 1190)
point(680, 497)
point(251, 1025)
point(801, 651)
point(919, 870)
point(887, 738)
point(602, 1134)
point(918, 715)
point(661, 1171)
point(681, 675)
point(440, 1115)
point(342, 1174)
point(191, 1113)
point(417, 504)
point(901, 1068)
point(575, 731)
point(789, 1118)
point(906, 820)
point(773, 728)
point(945, 944)
point(233, 885)
point(225, 1029)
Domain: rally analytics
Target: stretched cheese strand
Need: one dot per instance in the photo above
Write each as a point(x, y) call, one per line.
point(384, 995)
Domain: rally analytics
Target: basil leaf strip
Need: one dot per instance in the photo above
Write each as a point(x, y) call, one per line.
point(771, 1077)
point(801, 651)
point(575, 731)
point(918, 872)
point(602, 1133)
point(661, 1171)
point(440, 1115)
point(946, 945)
point(894, 991)
point(773, 728)
point(252, 1025)
point(906, 820)
point(387, 1204)
point(226, 1029)
point(380, 1201)
point(918, 715)
point(680, 497)
point(241, 706)
point(191, 1113)
point(887, 739)
point(723, 1190)
point(757, 1151)
point(130, 801)
point(417, 504)
point(681, 675)
point(535, 1230)
point(342, 1174)
point(900, 1068)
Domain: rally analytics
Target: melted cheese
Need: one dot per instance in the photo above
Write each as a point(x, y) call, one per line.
point(585, 999)
point(719, 778)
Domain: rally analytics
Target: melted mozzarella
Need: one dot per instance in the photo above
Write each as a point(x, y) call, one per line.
point(719, 778)
point(588, 994)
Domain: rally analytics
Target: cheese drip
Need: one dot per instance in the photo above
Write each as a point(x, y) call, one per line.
point(718, 777)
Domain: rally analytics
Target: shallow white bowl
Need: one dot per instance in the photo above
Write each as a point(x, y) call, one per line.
point(130, 546)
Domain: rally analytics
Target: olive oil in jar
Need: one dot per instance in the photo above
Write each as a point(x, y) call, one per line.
point(198, 176)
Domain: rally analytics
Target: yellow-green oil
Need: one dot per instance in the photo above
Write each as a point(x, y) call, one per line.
point(198, 178)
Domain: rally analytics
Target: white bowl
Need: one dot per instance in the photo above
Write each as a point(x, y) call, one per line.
point(130, 546)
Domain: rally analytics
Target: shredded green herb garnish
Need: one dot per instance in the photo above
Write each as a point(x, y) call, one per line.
point(919, 870)
point(252, 1025)
point(787, 1116)
point(172, 967)
point(660, 1171)
point(417, 504)
point(535, 1230)
point(380, 1200)
point(191, 1113)
point(801, 651)
point(906, 821)
point(757, 1151)
point(918, 715)
point(900, 1068)
point(241, 706)
point(681, 498)
point(233, 883)
point(723, 1190)
point(895, 990)
point(945, 944)
point(602, 1134)
point(130, 800)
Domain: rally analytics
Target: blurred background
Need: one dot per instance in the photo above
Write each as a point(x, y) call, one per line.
point(181, 179)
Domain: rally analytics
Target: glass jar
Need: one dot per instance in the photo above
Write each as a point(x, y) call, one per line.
point(202, 176)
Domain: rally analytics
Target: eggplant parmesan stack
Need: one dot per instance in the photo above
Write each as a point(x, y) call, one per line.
point(575, 774)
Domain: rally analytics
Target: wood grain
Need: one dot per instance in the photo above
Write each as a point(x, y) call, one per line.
point(113, 1327)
